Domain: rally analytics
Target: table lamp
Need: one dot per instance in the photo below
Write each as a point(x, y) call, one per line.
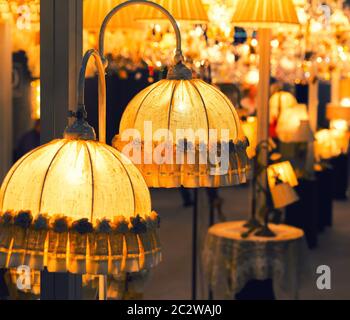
point(282, 179)
point(78, 205)
point(264, 15)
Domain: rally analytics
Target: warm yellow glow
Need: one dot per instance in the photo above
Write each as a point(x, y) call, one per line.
point(345, 102)
point(280, 101)
point(264, 13)
point(284, 172)
point(188, 106)
point(344, 88)
point(194, 105)
point(339, 112)
point(339, 19)
point(76, 178)
point(315, 26)
point(283, 195)
point(330, 143)
point(292, 125)
point(96, 10)
point(182, 10)
point(5, 13)
point(252, 77)
point(35, 98)
point(341, 125)
point(250, 127)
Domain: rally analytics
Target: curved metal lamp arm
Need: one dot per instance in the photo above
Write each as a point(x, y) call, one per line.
point(178, 54)
point(101, 90)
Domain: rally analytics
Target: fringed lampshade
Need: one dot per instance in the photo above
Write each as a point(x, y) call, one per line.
point(265, 13)
point(96, 10)
point(183, 10)
point(278, 102)
point(77, 205)
point(282, 171)
point(182, 103)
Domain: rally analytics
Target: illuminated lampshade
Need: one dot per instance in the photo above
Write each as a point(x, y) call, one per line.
point(341, 111)
point(250, 129)
point(293, 125)
point(280, 101)
point(160, 112)
point(283, 195)
point(80, 206)
point(330, 143)
point(96, 10)
point(183, 10)
point(282, 171)
point(264, 13)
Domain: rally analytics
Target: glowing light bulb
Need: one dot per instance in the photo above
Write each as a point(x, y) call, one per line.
point(345, 102)
point(181, 106)
point(275, 43)
point(340, 125)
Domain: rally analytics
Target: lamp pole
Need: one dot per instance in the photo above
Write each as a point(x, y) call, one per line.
point(61, 53)
point(264, 37)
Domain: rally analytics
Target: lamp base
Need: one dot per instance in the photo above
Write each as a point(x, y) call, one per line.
point(252, 223)
point(265, 232)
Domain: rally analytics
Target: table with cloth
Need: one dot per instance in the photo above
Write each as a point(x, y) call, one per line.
point(230, 261)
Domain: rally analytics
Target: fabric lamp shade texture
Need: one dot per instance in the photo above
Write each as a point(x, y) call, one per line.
point(79, 178)
point(283, 195)
point(78, 206)
point(96, 10)
point(264, 13)
point(187, 105)
point(182, 10)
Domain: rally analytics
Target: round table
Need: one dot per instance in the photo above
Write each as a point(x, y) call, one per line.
point(230, 261)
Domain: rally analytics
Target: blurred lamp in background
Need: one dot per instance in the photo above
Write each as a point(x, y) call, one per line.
point(293, 125)
point(278, 102)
